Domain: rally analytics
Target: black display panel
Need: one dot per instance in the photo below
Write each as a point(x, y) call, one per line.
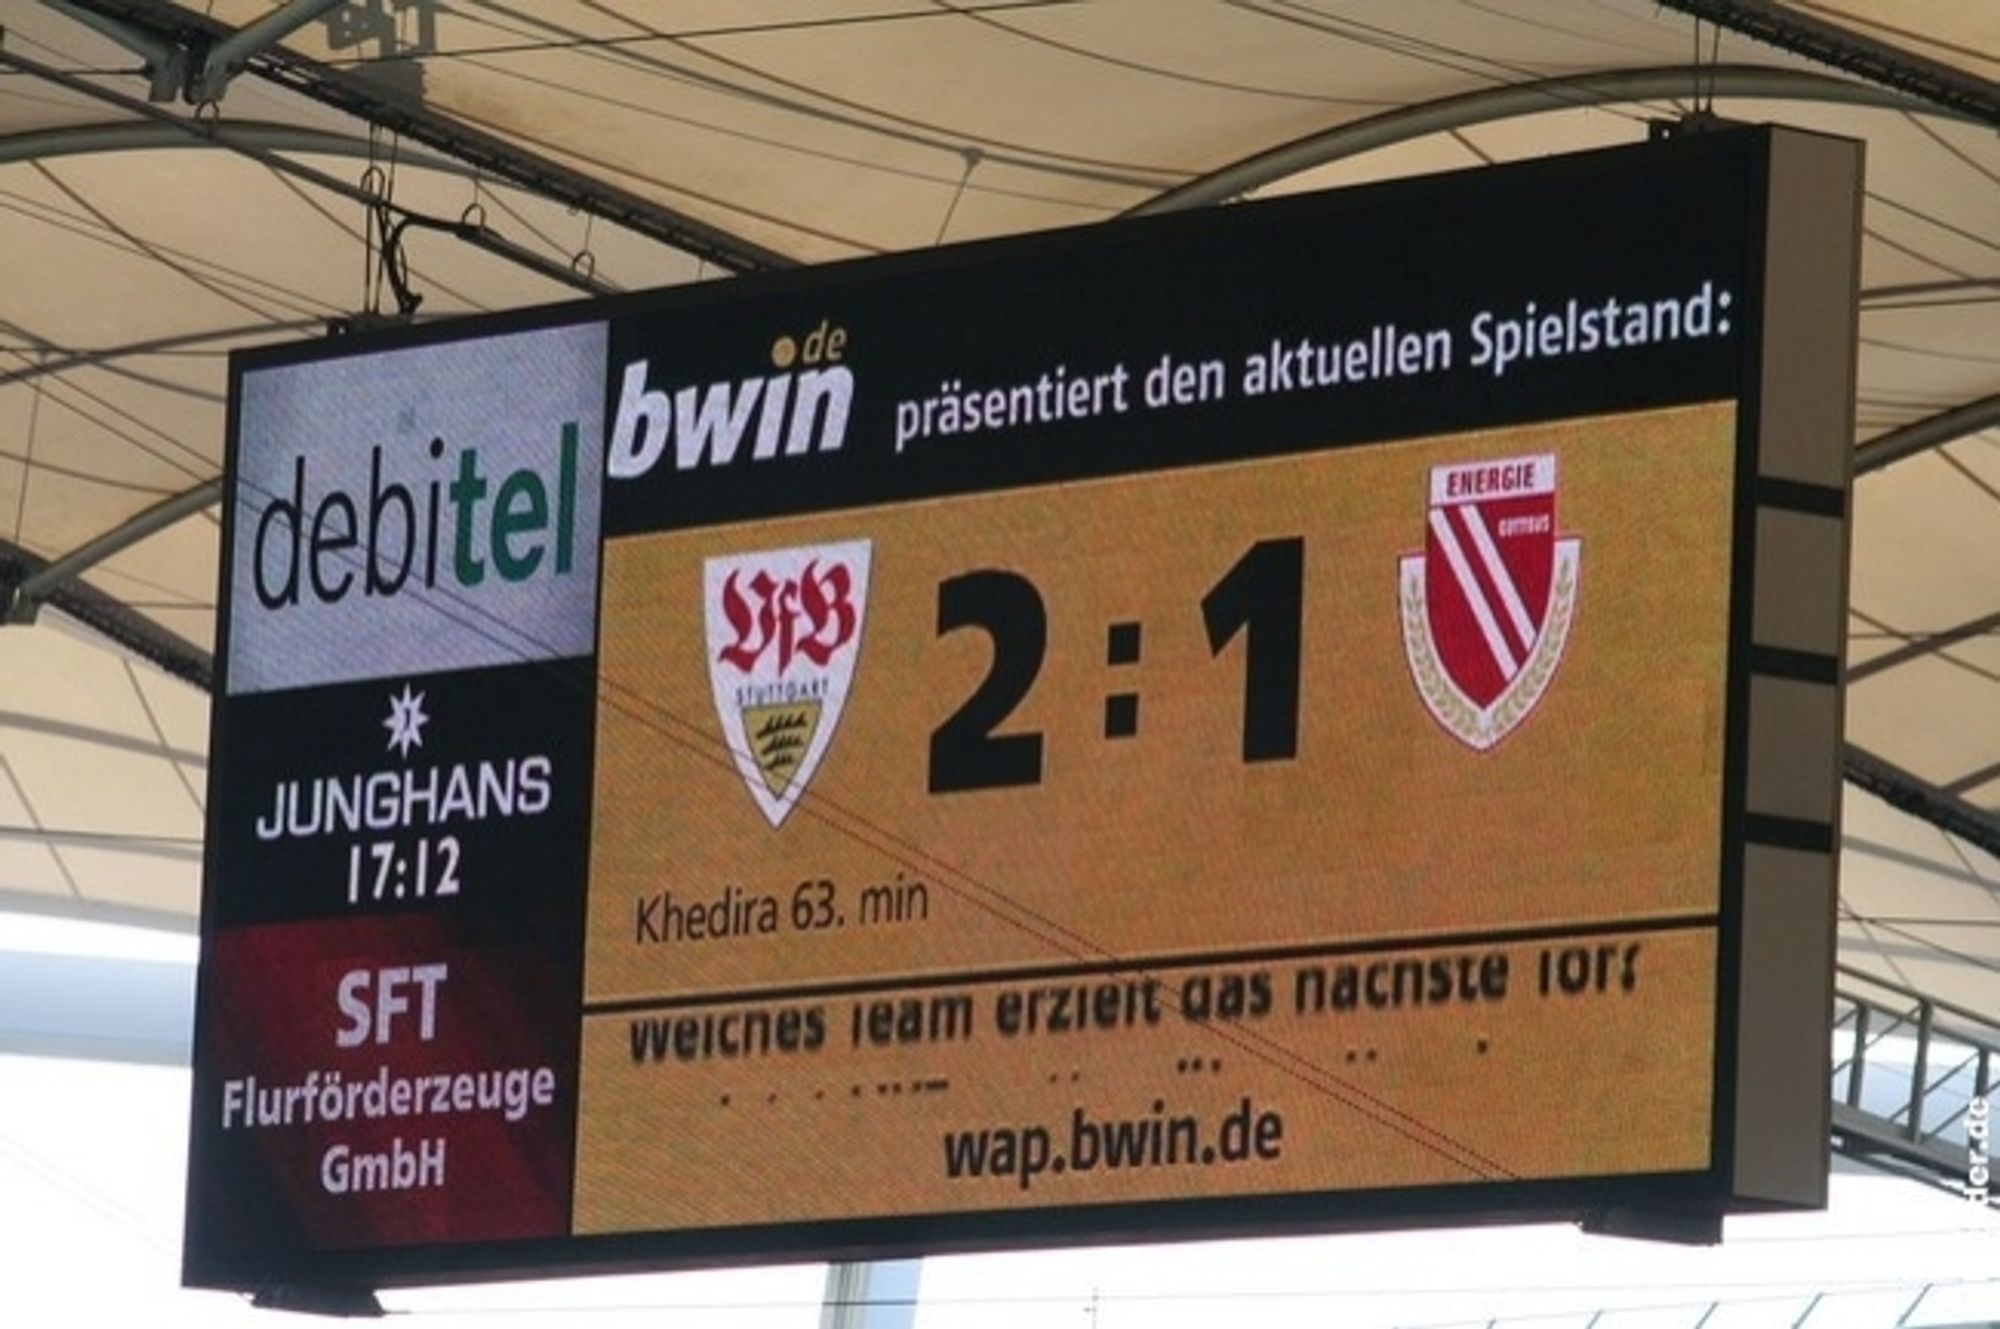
point(1215, 724)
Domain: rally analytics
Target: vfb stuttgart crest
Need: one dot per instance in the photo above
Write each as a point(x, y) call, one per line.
point(1487, 605)
point(784, 631)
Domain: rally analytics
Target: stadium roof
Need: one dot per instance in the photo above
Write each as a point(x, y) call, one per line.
point(179, 180)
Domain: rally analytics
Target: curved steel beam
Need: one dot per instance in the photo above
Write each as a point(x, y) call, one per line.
point(1930, 432)
point(196, 131)
point(145, 135)
point(491, 153)
point(1517, 99)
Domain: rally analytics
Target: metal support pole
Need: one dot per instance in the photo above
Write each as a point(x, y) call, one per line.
point(1858, 1062)
point(234, 51)
point(166, 61)
point(27, 598)
point(1930, 432)
point(871, 1294)
point(1505, 102)
point(1920, 1071)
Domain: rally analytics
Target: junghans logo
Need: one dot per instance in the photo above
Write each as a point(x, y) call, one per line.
point(789, 413)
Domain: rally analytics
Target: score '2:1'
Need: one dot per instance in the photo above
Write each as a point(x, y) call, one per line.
point(1260, 598)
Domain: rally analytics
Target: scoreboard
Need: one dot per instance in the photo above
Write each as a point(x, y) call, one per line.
point(1321, 714)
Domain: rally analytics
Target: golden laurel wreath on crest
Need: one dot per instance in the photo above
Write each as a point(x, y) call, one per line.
point(1448, 704)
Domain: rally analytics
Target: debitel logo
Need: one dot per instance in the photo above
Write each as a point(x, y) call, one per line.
point(375, 542)
point(417, 510)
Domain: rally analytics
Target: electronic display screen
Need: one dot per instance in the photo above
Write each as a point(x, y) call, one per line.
point(1207, 725)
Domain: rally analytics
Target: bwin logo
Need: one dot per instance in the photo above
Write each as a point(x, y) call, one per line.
point(793, 413)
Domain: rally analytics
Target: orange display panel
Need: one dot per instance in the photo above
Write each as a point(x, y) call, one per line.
point(1162, 858)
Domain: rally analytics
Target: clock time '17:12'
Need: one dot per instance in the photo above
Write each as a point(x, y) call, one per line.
point(382, 870)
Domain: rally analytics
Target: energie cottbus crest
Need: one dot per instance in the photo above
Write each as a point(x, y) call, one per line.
point(1487, 605)
point(784, 631)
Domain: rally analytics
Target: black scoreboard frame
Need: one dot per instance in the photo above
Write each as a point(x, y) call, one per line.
point(1777, 859)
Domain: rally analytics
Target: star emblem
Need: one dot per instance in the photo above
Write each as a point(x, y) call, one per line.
point(406, 721)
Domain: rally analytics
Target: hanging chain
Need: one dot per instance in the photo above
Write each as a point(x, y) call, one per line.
point(584, 262)
point(383, 260)
point(372, 183)
point(475, 211)
point(972, 157)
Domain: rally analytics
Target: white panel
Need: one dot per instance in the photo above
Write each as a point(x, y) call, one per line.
point(413, 583)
